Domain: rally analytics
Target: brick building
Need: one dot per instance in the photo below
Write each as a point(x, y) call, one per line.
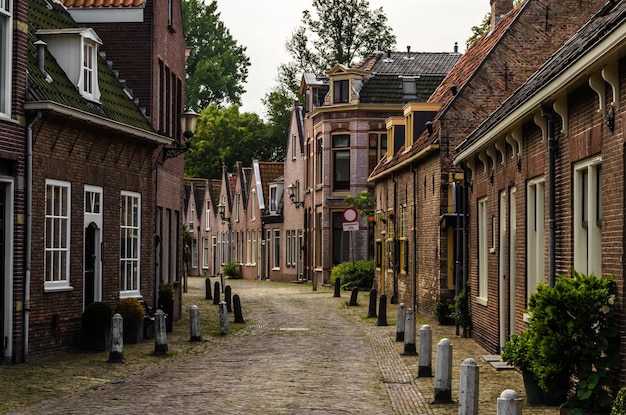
point(547, 174)
point(422, 254)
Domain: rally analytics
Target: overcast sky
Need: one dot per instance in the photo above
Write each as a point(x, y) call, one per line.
point(263, 27)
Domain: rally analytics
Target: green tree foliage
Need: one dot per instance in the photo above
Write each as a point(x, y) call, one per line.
point(225, 136)
point(364, 201)
point(484, 27)
point(217, 68)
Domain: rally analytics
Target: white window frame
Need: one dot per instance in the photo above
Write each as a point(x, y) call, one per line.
point(276, 249)
point(205, 253)
point(253, 205)
point(273, 199)
point(6, 56)
point(57, 239)
point(130, 279)
point(293, 147)
point(194, 253)
point(207, 216)
point(254, 248)
point(237, 207)
point(248, 247)
point(535, 233)
point(288, 248)
point(192, 211)
point(588, 216)
point(483, 250)
point(89, 69)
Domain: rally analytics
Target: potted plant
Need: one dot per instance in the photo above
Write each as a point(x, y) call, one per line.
point(519, 352)
point(133, 313)
point(94, 326)
point(166, 304)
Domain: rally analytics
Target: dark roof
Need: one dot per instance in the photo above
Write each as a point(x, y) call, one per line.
point(388, 89)
point(103, 3)
point(414, 63)
point(270, 171)
point(598, 28)
point(114, 104)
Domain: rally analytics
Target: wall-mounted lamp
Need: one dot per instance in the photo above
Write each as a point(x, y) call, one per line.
point(188, 123)
point(221, 209)
point(291, 191)
point(429, 127)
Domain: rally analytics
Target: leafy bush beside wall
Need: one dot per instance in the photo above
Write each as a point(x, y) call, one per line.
point(360, 275)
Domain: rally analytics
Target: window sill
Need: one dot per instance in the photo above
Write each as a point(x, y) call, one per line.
point(481, 301)
point(58, 289)
point(276, 269)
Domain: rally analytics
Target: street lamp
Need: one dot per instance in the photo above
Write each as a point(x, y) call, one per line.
point(188, 123)
point(221, 209)
point(291, 191)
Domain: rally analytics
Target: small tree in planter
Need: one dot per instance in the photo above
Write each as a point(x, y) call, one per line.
point(94, 325)
point(166, 303)
point(519, 352)
point(133, 313)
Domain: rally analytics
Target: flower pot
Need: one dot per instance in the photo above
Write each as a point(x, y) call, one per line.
point(534, 393)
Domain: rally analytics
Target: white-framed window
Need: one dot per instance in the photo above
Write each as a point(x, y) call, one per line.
point(588, 216)
point(273, 199)
point(207, 216)
point(6, 54)
point(194, 253)
point(276, 244)
point(89, 86)
point(222, 243)
point(483, 250)
point(205, 253)
point(254, 248)
point(248, 247)
point(57, 231)
point(341, 162)
point(535, 233)
point(294, 250)
point(237, 207)
point(192, 212)
point(130, 237)
point(288, 248)
point(294, 146)
point(253, 202)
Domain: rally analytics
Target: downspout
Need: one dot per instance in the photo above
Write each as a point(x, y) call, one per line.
point(28, 230)
point(396, 253)
point(414, 171)
point(552, 149)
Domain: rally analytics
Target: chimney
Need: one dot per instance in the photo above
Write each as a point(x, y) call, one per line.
point(498, 9)
point(41, 54)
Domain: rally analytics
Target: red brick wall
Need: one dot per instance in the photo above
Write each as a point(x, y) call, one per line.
point(69, 152)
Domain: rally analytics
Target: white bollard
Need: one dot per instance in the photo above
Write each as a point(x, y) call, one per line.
point(116, 354)
point(400, 323)
point(425, 368)
point(160, 333)
point(443, 375)
point(409, 333)
point(469, 388)
point(223, 318)
point(194, 324)
point(509, 403)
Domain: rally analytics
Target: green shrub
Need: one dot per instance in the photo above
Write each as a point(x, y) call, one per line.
point(166, 291)
point(131, 310)
point(444, 312)
point(359, 275)
point(231, 270)
point(619, 405)
point(97, 316)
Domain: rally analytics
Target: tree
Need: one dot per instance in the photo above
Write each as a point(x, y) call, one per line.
point(217, 68)
point(484, 27)
point(225, 136)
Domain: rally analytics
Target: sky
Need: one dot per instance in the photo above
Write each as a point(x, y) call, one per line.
point(263, 27)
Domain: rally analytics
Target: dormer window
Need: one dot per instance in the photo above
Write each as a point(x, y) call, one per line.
point(273, 199)
point(341, 91)
point(76, 51)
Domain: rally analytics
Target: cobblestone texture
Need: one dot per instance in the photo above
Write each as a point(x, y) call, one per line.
point(301, 352)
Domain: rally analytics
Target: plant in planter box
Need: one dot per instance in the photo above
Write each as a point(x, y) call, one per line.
point(95, 324)
point(519, 352)
point(133, 313)
point(577, 340)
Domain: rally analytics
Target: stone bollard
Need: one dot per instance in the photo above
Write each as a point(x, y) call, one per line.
point(382, 311)
point(337, 287)
point(372, 309)
point(400, 323)
point(160, 333)
point(509, 403)
point(222, 281)
point(207, 288)
point(116, 354)
point(216, 293)
point(469, 388)
point(194, 324)
point(425, 369)
point(354, 296)
point(443, 372)
point(409, 333)
point(223, 318)
point(237, 306)
point(228, 298)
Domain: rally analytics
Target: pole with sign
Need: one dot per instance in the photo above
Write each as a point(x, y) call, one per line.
point(350, 215)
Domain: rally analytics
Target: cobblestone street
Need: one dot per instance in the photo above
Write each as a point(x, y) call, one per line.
point(301, 352)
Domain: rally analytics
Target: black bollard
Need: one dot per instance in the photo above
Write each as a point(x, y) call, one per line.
point(207, 284)
point(216, 293)
point(228, 299)
point(372, 310)
point(337, 287)
point(382, 311)
point(238, 313)
point(353, 296)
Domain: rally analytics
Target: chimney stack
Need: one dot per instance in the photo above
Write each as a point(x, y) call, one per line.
point(498, 9)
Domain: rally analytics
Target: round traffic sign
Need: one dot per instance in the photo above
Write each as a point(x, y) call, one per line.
point(350, 214)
